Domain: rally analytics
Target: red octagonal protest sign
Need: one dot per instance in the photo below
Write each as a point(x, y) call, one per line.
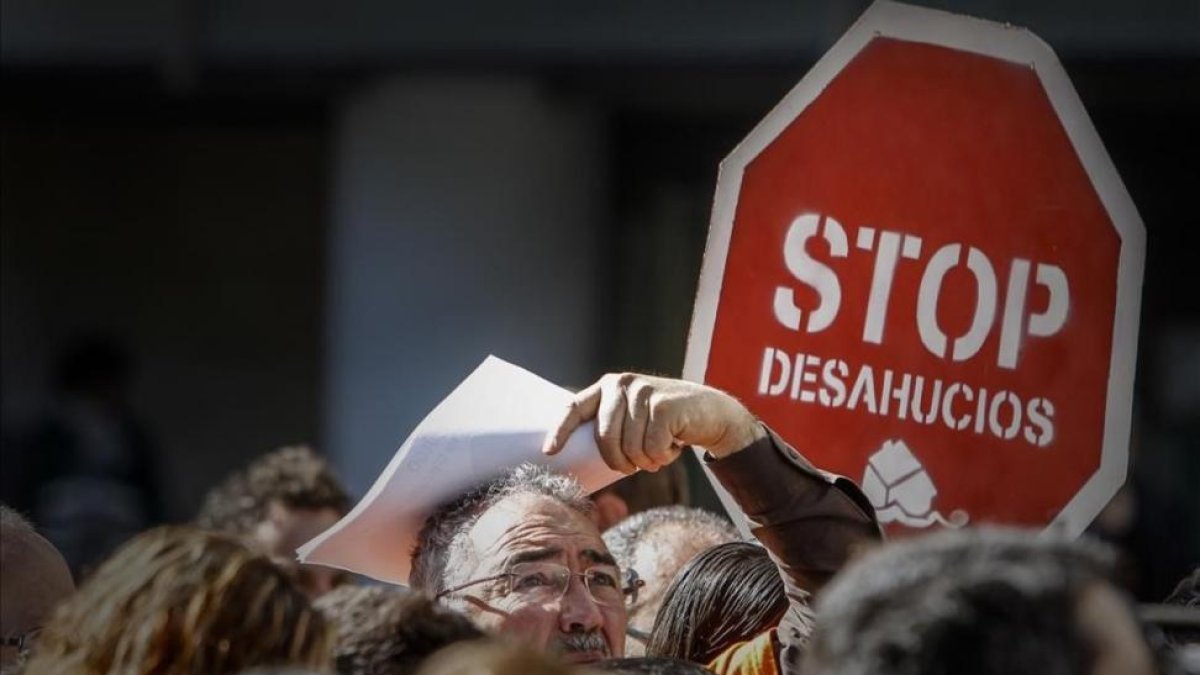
point(924, 272)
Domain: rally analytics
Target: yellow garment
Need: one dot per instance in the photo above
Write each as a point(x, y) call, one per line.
point(753, 657)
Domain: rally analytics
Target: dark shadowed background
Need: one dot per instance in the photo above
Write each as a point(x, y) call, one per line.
point(306, 221)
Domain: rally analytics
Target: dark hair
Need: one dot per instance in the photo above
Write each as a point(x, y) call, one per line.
point(727, 594)
point(443, 530)
point(1187, 591)
point(494, 657)
point(989, 601)
point(1186, 594)
point(294, 476)
point(385, 631)
point(651, 665)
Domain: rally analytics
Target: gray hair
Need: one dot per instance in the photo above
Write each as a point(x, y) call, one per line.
point(11, 519)
point(444, 533)
point(17, 534)
point(623, 538)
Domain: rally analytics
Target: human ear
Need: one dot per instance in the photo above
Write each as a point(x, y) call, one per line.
point(610, 510)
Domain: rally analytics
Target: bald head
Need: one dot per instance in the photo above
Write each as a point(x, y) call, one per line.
point(35, 579)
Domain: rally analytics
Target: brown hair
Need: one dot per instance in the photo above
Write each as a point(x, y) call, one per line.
point(293, 475)
point(181, 600)
point(726, 595)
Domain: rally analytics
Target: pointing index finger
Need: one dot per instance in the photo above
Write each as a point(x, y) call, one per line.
point(581, 409)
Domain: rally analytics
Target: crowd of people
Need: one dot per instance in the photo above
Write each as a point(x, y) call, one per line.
point(525, 573)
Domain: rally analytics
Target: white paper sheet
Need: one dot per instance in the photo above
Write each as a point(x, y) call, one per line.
point(495, 419)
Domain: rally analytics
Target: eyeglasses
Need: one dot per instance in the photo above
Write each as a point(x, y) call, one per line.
point(639, 635)
point(548, 582)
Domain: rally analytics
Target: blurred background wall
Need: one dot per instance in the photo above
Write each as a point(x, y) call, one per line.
point(306, 221)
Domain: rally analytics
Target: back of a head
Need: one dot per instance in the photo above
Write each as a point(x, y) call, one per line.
point(725, 595)
point(651, 665)
point(35, 579)
point(1186, 594)
point(493, 657)
point(663, 525)
point(385, 631)
point(657, 544)
point(292, 476)
point(987, 601)
point(281, 670)
point(181, 600)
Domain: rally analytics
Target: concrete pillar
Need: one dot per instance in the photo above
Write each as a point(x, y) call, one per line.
point(466, 217)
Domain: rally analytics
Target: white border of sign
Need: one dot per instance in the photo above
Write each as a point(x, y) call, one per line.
point(917, 24)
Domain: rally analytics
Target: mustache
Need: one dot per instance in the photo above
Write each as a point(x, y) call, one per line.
point(583, 642)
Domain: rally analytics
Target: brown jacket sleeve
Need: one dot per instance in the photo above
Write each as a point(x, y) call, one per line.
point(811, 522)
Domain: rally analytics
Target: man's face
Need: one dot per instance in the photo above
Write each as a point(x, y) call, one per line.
point(286, 529)
point(528, 528)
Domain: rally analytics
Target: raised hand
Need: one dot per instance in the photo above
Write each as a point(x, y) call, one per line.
point(644, 422)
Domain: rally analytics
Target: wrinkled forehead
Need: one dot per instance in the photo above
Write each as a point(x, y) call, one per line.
point(525, 522)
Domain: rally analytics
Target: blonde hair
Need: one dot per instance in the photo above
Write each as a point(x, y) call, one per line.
point(181, 600)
